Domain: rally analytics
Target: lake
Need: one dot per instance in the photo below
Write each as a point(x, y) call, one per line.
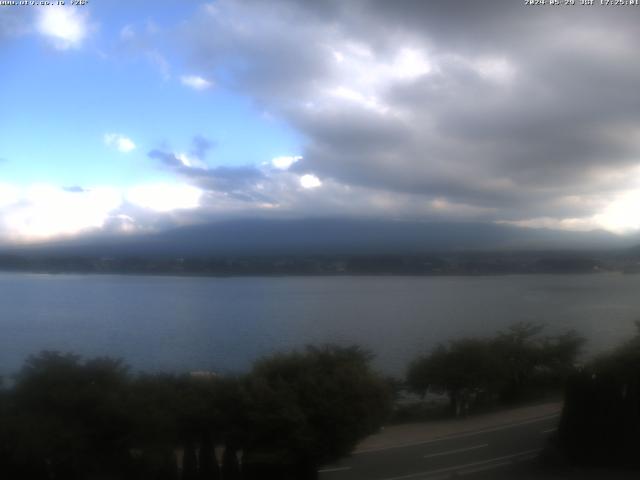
point(223, 324)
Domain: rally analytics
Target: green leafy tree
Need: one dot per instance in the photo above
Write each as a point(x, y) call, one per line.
point(71, 416)
point(520, 350)
point(510, 365)
point(187, 413)
point(529, 358)
point(600, 421)
point(312, 407)
point(462, 370)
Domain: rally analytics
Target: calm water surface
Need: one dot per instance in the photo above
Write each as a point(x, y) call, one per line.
point(223, 324)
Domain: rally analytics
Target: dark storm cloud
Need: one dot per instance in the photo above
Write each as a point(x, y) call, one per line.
point(527, 111)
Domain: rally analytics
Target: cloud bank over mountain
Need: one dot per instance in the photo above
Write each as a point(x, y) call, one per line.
point(491, 112)
point(492, 109)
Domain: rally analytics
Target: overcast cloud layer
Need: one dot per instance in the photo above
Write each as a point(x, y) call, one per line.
point(493, 110)
point(486, 111)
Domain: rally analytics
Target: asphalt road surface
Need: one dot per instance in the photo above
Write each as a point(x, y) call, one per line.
point(503, 451)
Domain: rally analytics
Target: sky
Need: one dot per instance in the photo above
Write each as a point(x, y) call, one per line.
point(126, 117)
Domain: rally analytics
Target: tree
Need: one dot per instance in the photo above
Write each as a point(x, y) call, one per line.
point(600, 421)
point(507, 366)
point(186, 413)
point(74, 419)
point(312, 407)
point(71, 416)
point(529, 358)
point(461, 370)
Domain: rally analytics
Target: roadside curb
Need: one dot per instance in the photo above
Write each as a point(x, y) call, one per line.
point(427, 432)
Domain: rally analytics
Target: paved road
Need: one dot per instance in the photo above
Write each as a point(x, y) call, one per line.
point(490, 452)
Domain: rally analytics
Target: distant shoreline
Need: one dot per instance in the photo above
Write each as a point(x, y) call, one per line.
point(301, 275)
point(439, 264)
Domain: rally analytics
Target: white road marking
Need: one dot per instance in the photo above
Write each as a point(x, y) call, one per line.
point(458, 450)
point(487, 464)
point(459, 435)
point(549, 430)
point(496, 461)
point(483, 468)
point(337, 469)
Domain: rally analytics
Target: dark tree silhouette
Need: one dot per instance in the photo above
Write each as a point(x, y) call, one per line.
point(508, 366)
point(311, 407)
point(71, 419)
point(70, 416)
point(600, 423)
point(462, 370)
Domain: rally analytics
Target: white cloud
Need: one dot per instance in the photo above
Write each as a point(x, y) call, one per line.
point(310, 181)
point(369, 102)
point(160, 62)
point(65, 27)
point(190, 161)
point(127, 32)
point(196, 82)
point(8, 194)
point(361, 77)
point(283, 163)
point(571, 224)
point(120, 142)
point(45, 211)
point(165, 197)
point(409, 64)
point(621, 215)
point(495, 69)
